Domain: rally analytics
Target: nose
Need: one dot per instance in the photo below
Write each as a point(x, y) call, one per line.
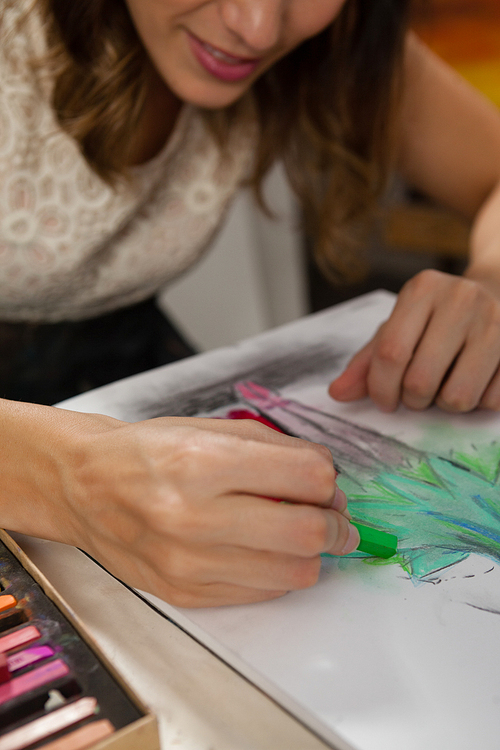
point(258, 23)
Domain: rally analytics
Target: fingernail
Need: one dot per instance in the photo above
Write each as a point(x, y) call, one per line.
point(352, 540)
point(339, 500)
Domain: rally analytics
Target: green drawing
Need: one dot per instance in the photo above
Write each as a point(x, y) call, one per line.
point(441, 508)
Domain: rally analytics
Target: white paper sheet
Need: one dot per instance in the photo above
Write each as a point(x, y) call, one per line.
point(373, 657)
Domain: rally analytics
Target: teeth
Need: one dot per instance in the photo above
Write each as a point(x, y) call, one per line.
point(221, 55)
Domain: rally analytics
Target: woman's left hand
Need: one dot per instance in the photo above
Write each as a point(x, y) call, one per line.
point(440, 345)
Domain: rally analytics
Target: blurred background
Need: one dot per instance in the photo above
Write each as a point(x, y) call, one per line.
point(259, 272)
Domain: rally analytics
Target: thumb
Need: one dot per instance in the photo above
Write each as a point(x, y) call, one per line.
point(352, 385)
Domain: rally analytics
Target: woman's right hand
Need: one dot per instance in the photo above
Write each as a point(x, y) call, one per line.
point(180, 507)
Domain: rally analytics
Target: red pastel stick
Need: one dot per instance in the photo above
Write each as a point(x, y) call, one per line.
point(4, 669)
point(245, 414)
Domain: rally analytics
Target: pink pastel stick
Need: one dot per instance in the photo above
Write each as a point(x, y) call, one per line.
point(45, 726)
point(29, 656)
point(19, 638)
point(32, 680)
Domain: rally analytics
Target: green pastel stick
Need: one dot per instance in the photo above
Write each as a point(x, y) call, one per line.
point(375, 542)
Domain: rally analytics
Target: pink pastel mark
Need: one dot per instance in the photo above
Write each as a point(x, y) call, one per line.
point(260, 396)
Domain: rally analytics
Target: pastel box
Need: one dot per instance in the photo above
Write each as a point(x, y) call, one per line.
point(57, 689)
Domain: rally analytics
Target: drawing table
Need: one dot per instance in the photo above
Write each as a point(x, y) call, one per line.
point(372, 657)
point(201, 703)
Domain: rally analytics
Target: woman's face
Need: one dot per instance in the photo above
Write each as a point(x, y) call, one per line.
point(209, 52)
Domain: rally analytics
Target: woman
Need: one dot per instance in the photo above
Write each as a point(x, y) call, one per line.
point(138, 121)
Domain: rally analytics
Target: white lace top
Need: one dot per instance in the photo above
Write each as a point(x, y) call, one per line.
point(72, 247)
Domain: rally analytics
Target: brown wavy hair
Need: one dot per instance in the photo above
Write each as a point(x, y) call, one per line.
point(328, 109)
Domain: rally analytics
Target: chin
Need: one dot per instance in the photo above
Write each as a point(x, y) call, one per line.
point(210, 96)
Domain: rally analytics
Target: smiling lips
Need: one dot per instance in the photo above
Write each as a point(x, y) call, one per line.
point(221, 64)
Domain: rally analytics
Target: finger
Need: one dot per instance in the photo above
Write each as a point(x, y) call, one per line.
point(211, 595)
point(218, 595)
point(441, 342)
point(251, 523)
point(196, 464)
point(340, 502)
point(393, 350)
point(266, 571)
point(180, 590)
point(351, 385)
point(256, 468)
point(191, 594)
point(472, 374)
point(300, 530)
point(491, 396)
point(183, 565)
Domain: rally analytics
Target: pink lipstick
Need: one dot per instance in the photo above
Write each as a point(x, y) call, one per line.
point(220, 64)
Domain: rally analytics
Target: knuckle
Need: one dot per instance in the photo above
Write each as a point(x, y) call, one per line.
point(252, 429)
point(174, 565)
point(323, 453)
point(305, 573)
point(465, 295)
point(257, 427)
point(181, 598)
point(456, 400)
point(323, 476)
point(172, 514)
point(416, 403)
point(495, 314)
point(310, 531)
point(423, 282)
point(392, 351)
point(179, 568)
point(491, 402)
point(186, 455)
point(493, 319)
point(176, 573)
point(418, 384)
point(341, 536)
